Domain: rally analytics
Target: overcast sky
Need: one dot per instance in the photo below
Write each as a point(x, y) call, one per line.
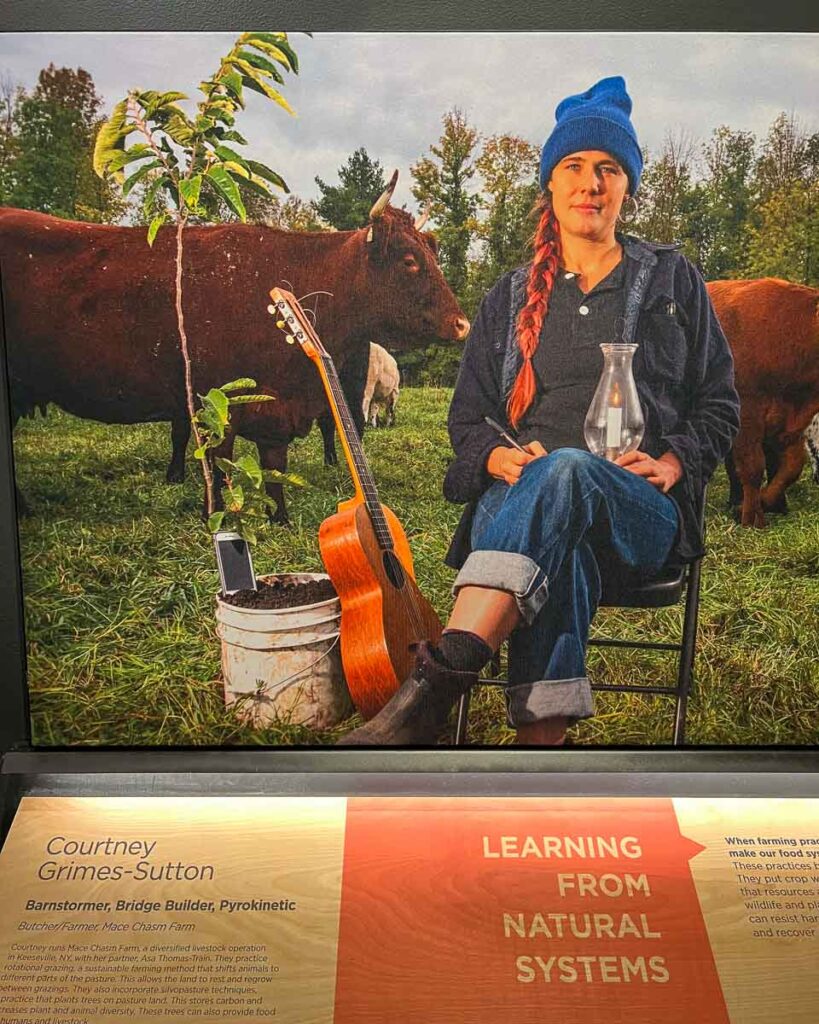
point(388, 92)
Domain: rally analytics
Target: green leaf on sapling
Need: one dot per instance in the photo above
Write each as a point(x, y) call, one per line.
point(155, 225)
point(222, 182)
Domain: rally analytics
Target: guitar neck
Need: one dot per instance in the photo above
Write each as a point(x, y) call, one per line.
point(295, 320)
point(363, 480)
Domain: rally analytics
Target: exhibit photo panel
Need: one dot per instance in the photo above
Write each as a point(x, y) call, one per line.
point(347, 369)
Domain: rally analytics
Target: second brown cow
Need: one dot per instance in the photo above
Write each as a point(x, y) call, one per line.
point(772, 327)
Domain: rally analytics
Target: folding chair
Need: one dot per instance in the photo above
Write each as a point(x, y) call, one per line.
point(631, 590)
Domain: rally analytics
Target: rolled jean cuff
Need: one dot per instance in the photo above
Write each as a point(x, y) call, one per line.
point(548, 698)
point(517, 574)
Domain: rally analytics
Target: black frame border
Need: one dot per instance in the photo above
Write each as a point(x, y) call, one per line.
point(422, 15)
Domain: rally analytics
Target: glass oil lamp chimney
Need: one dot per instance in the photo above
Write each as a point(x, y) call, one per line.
point(614, 423)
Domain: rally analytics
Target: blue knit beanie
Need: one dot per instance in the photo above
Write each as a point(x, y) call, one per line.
point(595, 119)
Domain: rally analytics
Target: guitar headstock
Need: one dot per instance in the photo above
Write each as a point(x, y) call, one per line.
point(292, 319)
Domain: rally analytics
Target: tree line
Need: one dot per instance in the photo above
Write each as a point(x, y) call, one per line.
point(741, 206)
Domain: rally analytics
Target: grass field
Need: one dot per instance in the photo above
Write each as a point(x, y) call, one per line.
point(119, 581)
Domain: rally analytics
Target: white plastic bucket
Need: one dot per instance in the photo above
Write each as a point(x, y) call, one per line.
point(284, 664)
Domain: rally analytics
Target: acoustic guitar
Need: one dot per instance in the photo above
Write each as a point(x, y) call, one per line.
point(365, 551)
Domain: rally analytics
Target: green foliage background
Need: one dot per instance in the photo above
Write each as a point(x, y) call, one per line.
point(346, 206)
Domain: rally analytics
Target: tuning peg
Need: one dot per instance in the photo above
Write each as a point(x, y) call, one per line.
point(291, 340)
point(271, 309)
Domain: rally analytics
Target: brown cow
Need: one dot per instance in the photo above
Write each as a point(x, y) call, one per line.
point(773, 329)
point(91, 326)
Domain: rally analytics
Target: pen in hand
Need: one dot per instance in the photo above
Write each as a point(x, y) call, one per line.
point(507, 437)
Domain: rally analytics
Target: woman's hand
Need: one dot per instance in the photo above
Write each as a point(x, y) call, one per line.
point(507, 463)
point(663, 473)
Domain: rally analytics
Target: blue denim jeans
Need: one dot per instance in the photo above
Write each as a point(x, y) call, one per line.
point(541, 540)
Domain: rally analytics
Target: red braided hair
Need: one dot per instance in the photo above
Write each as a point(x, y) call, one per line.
point(538, 290)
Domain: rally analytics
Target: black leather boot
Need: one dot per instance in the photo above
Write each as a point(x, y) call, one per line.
point(418, 710)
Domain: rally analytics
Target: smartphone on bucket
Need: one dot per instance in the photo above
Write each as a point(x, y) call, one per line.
point(233, 559)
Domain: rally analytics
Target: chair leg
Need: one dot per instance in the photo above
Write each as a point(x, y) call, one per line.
point(686, 664)
point(461, 722)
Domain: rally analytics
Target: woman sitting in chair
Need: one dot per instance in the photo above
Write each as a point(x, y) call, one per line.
point(538, 520)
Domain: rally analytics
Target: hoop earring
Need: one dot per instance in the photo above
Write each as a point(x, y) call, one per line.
point(632, 215)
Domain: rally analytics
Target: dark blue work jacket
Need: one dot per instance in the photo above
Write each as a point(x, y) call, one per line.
point(683, 370)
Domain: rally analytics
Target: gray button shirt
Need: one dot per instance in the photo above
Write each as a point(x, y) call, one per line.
point(568, 360)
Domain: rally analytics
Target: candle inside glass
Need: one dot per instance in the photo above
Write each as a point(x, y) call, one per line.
point(614, 418)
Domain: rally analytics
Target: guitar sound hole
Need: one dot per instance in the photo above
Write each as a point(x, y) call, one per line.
point(394, 569)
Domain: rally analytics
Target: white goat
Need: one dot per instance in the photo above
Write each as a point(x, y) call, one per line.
point(381, 389)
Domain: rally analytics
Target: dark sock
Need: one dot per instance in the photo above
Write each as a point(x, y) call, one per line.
point(464, 651)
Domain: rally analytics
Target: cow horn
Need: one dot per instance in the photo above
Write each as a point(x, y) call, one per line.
point(380, 205)
point(419, 224)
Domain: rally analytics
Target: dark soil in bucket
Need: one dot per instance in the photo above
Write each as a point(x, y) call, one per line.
point(282, 593)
